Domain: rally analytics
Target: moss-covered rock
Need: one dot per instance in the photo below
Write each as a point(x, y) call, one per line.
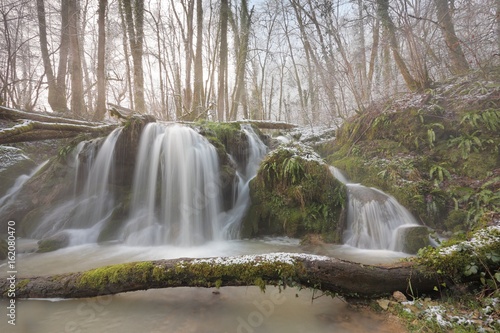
point(413, 238)
point(424, 149)
point(56, 242)
point(294, 194)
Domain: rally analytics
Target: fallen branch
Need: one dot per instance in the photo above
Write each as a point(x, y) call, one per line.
point(13, 114)
point(283, 269)
point(265, 124)
point(34, 130)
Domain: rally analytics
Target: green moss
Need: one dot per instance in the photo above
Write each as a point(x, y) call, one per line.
point(22, 284)
point(459, 259)
point(293, 195)
point(115, 274)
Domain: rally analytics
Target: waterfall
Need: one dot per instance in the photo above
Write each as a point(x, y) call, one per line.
point(12, 193)
point(374, 219)
point(83, 216)
point(176, 192)
point(256, 152)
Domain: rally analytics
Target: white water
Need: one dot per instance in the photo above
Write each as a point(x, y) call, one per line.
point(256, 152)
point(374, 218)
point(176, 196)
point(12, 193)
point(82, 216)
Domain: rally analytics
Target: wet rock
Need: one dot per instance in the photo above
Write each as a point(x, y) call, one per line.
point(13, 163)
point(56, 242)
point(413, 238)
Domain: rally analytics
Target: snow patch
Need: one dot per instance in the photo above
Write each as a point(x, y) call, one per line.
point(276, 257)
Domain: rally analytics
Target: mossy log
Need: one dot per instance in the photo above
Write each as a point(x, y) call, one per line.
point(331, 275)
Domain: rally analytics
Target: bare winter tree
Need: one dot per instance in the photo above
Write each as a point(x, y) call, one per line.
point(134, 22)
point(458, 63)
point(101, 58)
point(57, 84)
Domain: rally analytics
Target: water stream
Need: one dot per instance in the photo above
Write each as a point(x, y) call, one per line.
point(374, 218)
point(174, 165)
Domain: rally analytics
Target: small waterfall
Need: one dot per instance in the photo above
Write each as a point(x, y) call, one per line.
point(12, 193)
point(374, 219)
point(176, 192)
point(83, 216)
point(256, 152)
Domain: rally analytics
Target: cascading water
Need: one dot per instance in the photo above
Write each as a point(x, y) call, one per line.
point(83, 216)
point(256, 152)
point(176, 197)
point(12, 193)
point(374, 219)
point(176, 190)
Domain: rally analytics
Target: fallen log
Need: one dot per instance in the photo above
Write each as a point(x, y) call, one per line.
point(34, 130)
point(266, 124)
point(13, 114)
point(331, 275)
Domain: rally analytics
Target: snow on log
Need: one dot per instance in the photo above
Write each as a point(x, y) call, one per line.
point(34, 130)
point(266, 124)
point(13, 114)
point(283, 269)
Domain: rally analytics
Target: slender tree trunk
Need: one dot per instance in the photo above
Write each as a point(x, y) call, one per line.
point(241, 57)
point(458, 63)
point(390, 28)
point(101, 58)
point(497, 2)
point(361, 61)
point(222, 91)
point(57, 96)
point(77, 100)
point(134, 17)
point(373, 56)
point(62, 68)
point(123, 20)
point(198, 94)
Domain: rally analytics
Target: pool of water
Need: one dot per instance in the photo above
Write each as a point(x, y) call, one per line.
point(228, 309)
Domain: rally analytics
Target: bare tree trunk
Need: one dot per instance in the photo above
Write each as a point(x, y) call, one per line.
point(241, 57)
point(125, 52)
point(134, 17)
point(101, 67)
point(57, 91)
point(390, 28)
point(459, 64)
point(373, 56)
point(198, 91)
point(222, 91)
point(77, 100)
point(326, 274)
point(497, 2)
